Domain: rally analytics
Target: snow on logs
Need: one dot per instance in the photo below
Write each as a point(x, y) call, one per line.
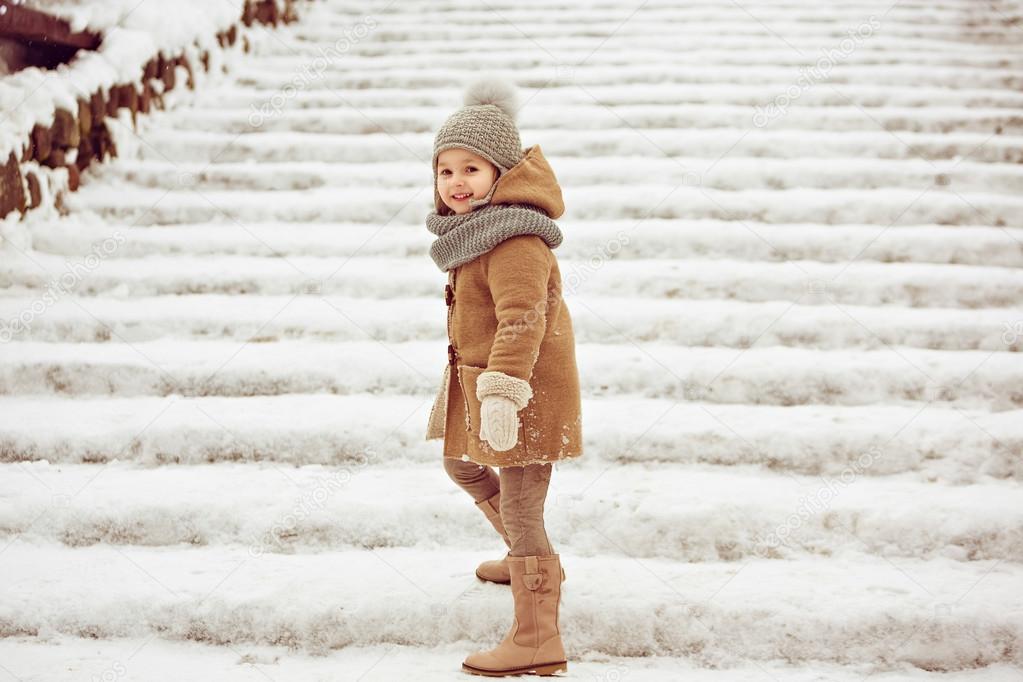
point(77, 136)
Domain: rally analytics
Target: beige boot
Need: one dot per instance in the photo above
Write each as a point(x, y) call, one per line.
point(533, 644)
point(495, 571)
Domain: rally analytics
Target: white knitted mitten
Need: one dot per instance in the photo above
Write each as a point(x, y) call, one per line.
point(499, 422)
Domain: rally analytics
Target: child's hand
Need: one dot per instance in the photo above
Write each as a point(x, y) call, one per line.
point(499, 422)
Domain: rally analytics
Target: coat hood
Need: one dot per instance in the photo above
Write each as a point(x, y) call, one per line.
point(530, 181)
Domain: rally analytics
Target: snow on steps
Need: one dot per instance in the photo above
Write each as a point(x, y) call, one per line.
point(864, 94)
point(769, 375)
point(858, 283)
point(686, 322)
point(915, 563)
point(608, 240)
point(713, 613)
point(832, 206)
point(420, 119)
point(730, 173)
point(70, 659)
point(913, 13)
point(936, 442)
point(369, 57)
point(744, 33)
point(897, 75)
point(195, 146)
point(709, 515)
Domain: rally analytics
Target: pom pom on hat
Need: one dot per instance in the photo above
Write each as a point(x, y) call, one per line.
point(496, 91)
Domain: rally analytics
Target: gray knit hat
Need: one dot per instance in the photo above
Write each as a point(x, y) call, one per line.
point(484, 126)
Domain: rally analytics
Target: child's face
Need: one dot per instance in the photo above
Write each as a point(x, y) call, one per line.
point(462, 175)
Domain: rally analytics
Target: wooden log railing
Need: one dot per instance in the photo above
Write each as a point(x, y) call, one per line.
point(48, 40)
point(75, 139)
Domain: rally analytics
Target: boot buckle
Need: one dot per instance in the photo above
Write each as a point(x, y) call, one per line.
point(532, 581)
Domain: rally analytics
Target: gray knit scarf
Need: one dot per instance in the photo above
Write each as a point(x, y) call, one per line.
point(463, 238)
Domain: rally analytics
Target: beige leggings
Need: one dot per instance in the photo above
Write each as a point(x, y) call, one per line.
point(523, 492)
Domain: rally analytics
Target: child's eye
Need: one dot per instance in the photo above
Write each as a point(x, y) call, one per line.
point(471, 169)
point(445, 172)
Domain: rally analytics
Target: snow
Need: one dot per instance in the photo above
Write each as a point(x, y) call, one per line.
point(133, 33)
point(799, 347)
point(867, 95)
point(832, 206)
point(210, 146)
point(730, 173)
point(856, 282)
point(770, 375)
point(938, 442)
point(177, 28)
point(596, 319)
point(708, 515)
point(661, 608)
point(415, 119)
point(154, 660)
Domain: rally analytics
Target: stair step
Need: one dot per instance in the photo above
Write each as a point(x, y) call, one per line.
point(938, 443)
point(367, 56)
point(797, 282)
point(708, 144)
point(584, 75)
point(867, 95)
point(610, 240)
point(831, 206)
point(801, 36)
point(707, 514)
point(331, 600)
point(717, 323)
point(769, 375)
point(71, 659)
point(573, 117)
point(730, 173)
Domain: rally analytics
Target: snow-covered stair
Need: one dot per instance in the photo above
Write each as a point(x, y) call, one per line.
point(932, 441)
point(799, 334)
point(717, 613)
point(712, 514)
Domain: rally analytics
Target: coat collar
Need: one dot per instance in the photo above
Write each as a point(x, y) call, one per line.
point(530, 181)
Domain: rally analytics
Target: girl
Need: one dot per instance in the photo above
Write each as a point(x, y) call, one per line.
point(510, 393)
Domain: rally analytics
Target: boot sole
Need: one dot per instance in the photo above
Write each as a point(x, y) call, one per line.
point(544, 670)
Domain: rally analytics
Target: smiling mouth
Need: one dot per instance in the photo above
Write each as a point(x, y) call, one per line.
point(461, 197)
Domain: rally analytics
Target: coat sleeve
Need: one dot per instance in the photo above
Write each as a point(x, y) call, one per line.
point(518, 271)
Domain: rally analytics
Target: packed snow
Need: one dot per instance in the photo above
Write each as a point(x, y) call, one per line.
point(794, 265)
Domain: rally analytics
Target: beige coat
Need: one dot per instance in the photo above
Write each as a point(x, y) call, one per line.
point(510, 334)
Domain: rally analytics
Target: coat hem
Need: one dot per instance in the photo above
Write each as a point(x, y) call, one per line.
point(535, 460)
